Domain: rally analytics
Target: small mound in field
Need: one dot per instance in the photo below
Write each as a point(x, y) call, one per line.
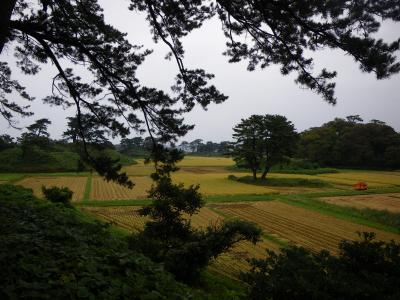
point(282, 182)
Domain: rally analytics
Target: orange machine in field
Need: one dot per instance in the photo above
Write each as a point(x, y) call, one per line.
point(360, 186)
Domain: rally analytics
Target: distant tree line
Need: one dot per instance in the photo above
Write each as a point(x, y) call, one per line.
point(35, 151)
point(139, 146)
point(198, 146)
point(260, 142)
point(351, 143)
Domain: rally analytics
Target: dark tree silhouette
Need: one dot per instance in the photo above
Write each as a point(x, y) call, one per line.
point(351, 143)
point(72, 32)
point(39, 128)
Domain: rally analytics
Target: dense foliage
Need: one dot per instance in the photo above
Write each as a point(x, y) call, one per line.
point(199, 147)
point(365, 269)
point(263, 141)
point(47, 252)
point(351, 143)
point(55, 194)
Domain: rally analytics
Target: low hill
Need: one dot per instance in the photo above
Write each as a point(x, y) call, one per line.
point(55, 159)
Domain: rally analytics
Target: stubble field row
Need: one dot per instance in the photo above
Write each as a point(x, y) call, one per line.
point(76, 184)
point(286, 223)
point(389, 202)
point(300, 226)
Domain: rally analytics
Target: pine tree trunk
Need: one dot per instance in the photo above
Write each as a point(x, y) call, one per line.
point(264, 174)
point(254, 173)
point(7, 7)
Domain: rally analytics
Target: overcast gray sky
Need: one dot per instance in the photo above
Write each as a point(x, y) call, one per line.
point(259, 92)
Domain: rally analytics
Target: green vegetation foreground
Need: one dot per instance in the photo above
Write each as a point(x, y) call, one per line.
point(50, 251)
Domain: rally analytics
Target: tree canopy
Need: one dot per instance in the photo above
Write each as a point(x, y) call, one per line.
point(72, 34)
point(365, 269)
point(39, 128)
point(263, 141)
point(351, 143)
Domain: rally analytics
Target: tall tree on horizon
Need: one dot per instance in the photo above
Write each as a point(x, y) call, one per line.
point(263, 141)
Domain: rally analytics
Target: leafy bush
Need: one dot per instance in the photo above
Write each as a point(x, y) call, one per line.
point(364, 269)
point(285, 182)
point(58, 195)
point(47, 252)
point(305, 171)
point(232, 177)
point(169, 237)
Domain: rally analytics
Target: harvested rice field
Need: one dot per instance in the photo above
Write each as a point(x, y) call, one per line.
point(197, 161)
point(103, 190)
point(125, 216)
point(236, 260)
point(230, 263)
point(282, 223)
point(219, 184)
point(389, 202)
point(128, 216)
point(76, 184)
point(300, 226)
point(373, 178)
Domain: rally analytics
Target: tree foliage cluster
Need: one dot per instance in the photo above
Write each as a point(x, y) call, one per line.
point(169, 237)
point(270, 141)
point(365, 269)
point(352, 143)
point(263, 141)
point(47, 251)
point(199, 147)
point(56, 194)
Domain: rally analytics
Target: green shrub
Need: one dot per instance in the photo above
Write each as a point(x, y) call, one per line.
point(232, 177)
point(170, 239)
point(285, 182)
point(48, 252)
point(365, 269)
point(58, 195)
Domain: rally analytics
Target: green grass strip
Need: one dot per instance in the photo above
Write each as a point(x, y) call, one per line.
point(11, 178)
point(88, 188)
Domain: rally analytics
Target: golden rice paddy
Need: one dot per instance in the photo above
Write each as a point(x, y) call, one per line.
point(103, 190)
point(302, 227)
point(229, 263)
point(389, 202)
point(76, 184)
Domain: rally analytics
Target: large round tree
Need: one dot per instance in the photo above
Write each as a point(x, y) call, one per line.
point(263, 141)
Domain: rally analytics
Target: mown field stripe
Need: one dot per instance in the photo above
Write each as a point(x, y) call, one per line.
point(350, 214)
point(245, 197)
point(269, 237)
